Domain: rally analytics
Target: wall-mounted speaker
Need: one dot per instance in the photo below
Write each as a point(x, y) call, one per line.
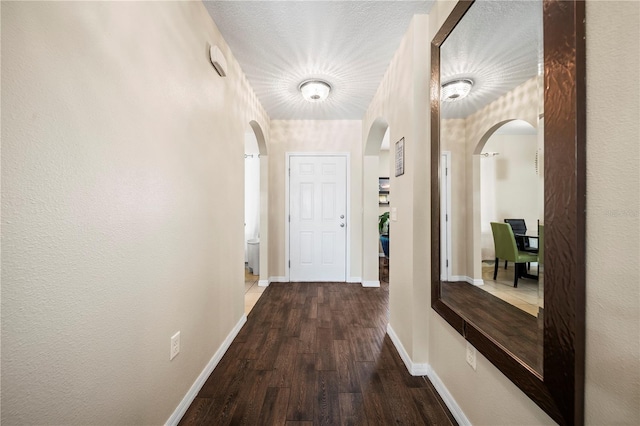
point(218, 60)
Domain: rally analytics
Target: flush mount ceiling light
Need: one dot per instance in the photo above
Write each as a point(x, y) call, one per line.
point(455, 90)
point(314, 90)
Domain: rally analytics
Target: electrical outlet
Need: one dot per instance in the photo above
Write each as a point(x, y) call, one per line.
point(175, 346)
point(471, 355)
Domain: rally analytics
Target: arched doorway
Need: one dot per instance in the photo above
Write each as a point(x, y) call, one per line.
point(376, 164)
point(256, 211)
point(509, 188)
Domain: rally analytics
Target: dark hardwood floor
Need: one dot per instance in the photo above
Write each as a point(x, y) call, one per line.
point(316, 354)
point(516, 330)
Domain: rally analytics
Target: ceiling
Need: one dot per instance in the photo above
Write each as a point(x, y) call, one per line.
point(498, 45)
point(349, 44)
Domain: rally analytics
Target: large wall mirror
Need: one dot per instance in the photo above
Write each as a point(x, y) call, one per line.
point(508, 191)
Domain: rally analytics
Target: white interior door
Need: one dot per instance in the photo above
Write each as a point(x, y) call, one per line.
point(445, 216)
point(317, 218)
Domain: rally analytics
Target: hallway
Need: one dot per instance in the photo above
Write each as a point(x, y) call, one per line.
point(316, 353)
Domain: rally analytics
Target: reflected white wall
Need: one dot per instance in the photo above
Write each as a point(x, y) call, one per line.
point(251, 190)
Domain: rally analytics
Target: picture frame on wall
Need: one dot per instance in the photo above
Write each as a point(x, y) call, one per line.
point(399, 157)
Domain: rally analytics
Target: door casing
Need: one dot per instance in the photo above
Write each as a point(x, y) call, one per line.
point(348, 222)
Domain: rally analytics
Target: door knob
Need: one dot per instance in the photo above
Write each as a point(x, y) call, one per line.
point(342, 225)
point(341, 216)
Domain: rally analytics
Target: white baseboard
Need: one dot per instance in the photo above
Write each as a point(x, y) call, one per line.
point(278, 280)
point(263, 283)
point(370, 283)
point(476, 282)
point(204, 375)
point(415, 369)
point(451, 403)
point(354, 280)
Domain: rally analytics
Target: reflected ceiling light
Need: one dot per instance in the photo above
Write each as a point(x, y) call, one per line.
point(315, 90)
point(455, 90)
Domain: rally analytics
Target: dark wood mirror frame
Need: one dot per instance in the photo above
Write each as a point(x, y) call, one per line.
point(560, 389)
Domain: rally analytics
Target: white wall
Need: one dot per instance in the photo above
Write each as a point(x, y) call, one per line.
point(122, 207)
point(613, 213)
point(312, 136)
point(613, 246)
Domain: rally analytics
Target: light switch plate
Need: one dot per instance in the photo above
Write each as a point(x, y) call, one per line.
point(175, 346)
point(471, 355)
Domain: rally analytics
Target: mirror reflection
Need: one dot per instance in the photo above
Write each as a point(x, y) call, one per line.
point(492, 185)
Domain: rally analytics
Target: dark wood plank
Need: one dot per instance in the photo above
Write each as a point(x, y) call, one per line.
point(327, 406)
point(346, 367)
point(430, 406)
point(352, 409)
point(249, 406)
point(282, 373)
point(270, 349)
point(196, 411)
point(274, 408)
point(326, 358)
point(377, 409)
point(307, 341)
point(303, 387)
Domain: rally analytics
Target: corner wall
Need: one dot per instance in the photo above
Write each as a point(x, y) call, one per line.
point(122, 207)
point(402, 100)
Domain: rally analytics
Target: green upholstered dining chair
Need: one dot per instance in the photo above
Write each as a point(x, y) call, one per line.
point(506, 249)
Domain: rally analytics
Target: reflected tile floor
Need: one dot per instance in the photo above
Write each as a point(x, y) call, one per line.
point(524, 297)
point(252, 291)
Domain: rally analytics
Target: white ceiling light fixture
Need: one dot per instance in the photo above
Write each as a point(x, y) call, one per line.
point(315, 90)
point(456, 90)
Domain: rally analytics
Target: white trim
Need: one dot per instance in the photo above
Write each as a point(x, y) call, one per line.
point(415, 369)
point(426, 370)
point(204, 375)
point(278, 280)
point(263, 283)
point(449, 270)
point(370, 283)
point(347, 156)
point(354, 280)
point(476, 282)
point(451, 403)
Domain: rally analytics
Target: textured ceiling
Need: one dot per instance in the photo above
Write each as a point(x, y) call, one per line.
point(350, 44)
point(347, 43)
point(498, 45)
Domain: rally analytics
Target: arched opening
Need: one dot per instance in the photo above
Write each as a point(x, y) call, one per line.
point(255, 214)
point(376, 201)
point(509, 189)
